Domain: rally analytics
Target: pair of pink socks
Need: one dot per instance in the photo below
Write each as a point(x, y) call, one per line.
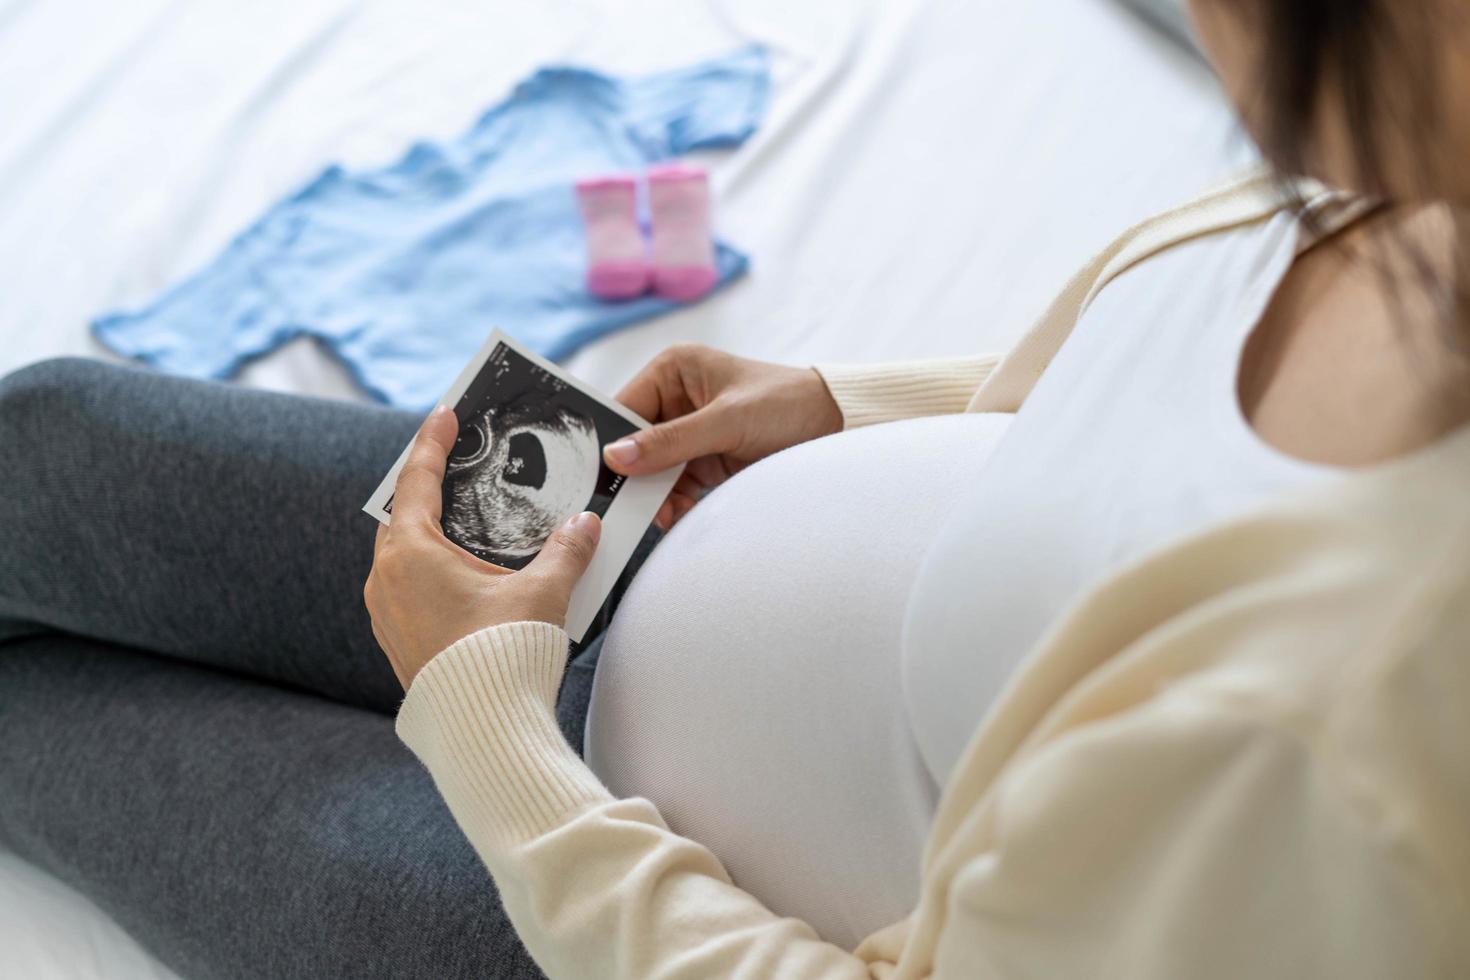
point(679, 265)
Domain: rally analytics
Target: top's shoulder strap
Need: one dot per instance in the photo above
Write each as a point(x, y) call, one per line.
point(1245, 200)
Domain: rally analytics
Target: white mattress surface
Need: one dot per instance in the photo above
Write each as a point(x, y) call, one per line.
point(48, 931)
point(931, 171)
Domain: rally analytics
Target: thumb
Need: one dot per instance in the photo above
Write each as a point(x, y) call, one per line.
point(669, 444)
point(568, 552)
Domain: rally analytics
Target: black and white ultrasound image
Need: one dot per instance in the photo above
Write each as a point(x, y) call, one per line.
point(529, 455)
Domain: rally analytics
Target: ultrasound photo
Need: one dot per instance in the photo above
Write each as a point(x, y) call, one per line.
point(528, 456)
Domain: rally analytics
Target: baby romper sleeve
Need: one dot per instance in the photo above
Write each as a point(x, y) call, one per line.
point(715, 104)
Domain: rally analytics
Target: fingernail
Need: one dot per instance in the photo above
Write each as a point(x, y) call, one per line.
point(624, 452)
point(586, 523)
point(440, 410)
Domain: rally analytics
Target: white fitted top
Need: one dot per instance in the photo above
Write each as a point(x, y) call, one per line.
point(828, 535)
point(874, 591)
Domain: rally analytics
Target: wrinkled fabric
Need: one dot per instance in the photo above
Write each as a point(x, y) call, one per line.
point(403, 271)
point(195, 724)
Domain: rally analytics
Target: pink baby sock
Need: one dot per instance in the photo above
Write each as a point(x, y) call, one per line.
point(683, 243)
point(617, 260)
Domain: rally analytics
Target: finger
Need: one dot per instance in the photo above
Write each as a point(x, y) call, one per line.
point(379, 538)
point(708, 471)
point(673, 443)
point(689, 487)
point(643, 395)
point(419, 493)
point(568, 552)
point(658, 392)
point(681, 505)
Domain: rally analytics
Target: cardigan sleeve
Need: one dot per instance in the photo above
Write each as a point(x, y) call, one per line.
point(1183, 837)
point(869, 394)
point(596, 887)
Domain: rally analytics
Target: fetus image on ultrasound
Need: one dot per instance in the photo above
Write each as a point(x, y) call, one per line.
point(528, 456)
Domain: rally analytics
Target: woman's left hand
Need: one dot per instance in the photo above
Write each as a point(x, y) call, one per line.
point(425, 592)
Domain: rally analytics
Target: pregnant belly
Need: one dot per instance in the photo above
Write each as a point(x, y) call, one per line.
point(750, 683)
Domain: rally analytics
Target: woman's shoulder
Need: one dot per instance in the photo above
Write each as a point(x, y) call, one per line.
point(1295, 814)
point(1338, 618)
point(1360, 583)
point(1359, 650)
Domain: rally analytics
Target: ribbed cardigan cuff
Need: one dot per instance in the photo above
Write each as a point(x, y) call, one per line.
point(869, 394)
point(481, 717)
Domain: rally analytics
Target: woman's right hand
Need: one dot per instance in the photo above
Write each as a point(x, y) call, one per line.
point(718, 413)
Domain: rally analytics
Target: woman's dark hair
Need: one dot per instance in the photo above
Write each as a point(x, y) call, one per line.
point(1372, 65)
point(1374, 56)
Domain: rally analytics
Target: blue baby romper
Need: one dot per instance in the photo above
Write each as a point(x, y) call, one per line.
point(404, 271)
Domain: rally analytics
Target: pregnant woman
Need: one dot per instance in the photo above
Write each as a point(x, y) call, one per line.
point(1139, 652)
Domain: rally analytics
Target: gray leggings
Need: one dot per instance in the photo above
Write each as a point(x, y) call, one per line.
point(195, 722)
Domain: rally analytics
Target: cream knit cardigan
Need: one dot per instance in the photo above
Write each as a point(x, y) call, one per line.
point(1246, 755)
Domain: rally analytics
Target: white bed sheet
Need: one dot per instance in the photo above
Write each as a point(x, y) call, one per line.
point(932, 170)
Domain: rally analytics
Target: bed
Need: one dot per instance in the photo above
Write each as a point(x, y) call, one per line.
point(930, 172)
